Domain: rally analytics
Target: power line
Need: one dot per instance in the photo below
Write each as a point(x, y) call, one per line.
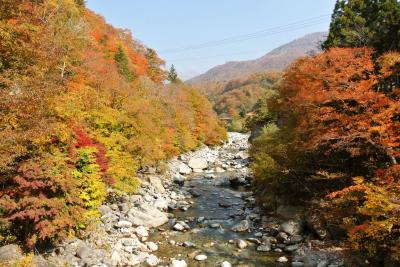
point(221, 55)
point(245, 37)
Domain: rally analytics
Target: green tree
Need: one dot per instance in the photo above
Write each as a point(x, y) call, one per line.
point(123, 64)
point(173, 75)
point(358, 23)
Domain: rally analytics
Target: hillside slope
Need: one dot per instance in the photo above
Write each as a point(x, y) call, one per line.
point(276, 60)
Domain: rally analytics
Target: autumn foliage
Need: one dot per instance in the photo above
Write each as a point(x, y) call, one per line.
point(82, 107)
point(334, 133)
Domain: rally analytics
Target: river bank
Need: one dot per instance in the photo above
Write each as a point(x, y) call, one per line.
point(200, 212)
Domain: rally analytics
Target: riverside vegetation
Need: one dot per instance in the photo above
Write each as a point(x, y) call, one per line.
point(90, 135)
point(330, 136)
point(82, 108)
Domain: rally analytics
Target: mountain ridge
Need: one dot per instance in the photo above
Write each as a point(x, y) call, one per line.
point(275, 60)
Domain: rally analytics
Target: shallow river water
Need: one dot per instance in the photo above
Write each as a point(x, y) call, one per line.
point(219, 207)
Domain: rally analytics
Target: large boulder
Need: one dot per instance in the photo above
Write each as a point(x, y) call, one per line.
point(146, 215)
point(198, 163)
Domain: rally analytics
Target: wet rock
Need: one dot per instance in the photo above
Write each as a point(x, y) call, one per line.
point(200, 219)
point(188, 244)
point(242, 244)
point(297, 264)
point(198, 163)
point(178, 263)
point(254, 240)
point(200, 257)
point(292, 227)
point(264, 248)
point(242, 226)
point(215, 225)
point(9, 253)
point(225, 204)
point(292, 248)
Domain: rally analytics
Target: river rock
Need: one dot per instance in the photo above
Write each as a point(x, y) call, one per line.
point(152, 260)
point(226, 264)
point(141, 231)
point(198, 163)
point(179, 227)
point(264, 248)
point(282, 259)
point(184, 169)
point(123, 224)
point(146, 215)
point(178, 263)
point(179, 179)
point(242, 244)
point(9, 253)
point(241, 227)
point(156, 183)
point(152, 246)
point(297, 264)
point(200, 257)
point(292, 227)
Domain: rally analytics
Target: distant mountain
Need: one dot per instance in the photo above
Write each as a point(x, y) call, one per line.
point(276, 60)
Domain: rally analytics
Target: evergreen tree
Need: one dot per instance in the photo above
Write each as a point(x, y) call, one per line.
point(173, 75)
point(123, 64)
point(358, 23)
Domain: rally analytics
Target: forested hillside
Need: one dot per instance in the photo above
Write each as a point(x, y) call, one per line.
point(331, 135)
point(82, 107)
point(235, 100)
point(276, 60)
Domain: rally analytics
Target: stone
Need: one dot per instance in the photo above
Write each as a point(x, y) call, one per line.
point(264, 248)
point(198, 163)
point(179, 227)
point(215, 225)
point(161, 204)
point(297, 264)
point(178, 263)
point(282, 259)
point(241, 227)
point(146, 215)
point(84, 252)
point(179, 179)
point(291, 227)
point(292, 248)
point(152, 246)
point(9, 253)
point(141, 231)
point(226, 264)
point(254, 240)
point(219, 170)
point(152, 260)
point(242, 244)
point(200, 257)
point(123, 224)
point(184, 169)
point(282, 237)
point(188, 244)
point(156, 183)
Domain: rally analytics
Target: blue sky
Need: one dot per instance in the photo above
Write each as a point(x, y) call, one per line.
point(196, 35)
